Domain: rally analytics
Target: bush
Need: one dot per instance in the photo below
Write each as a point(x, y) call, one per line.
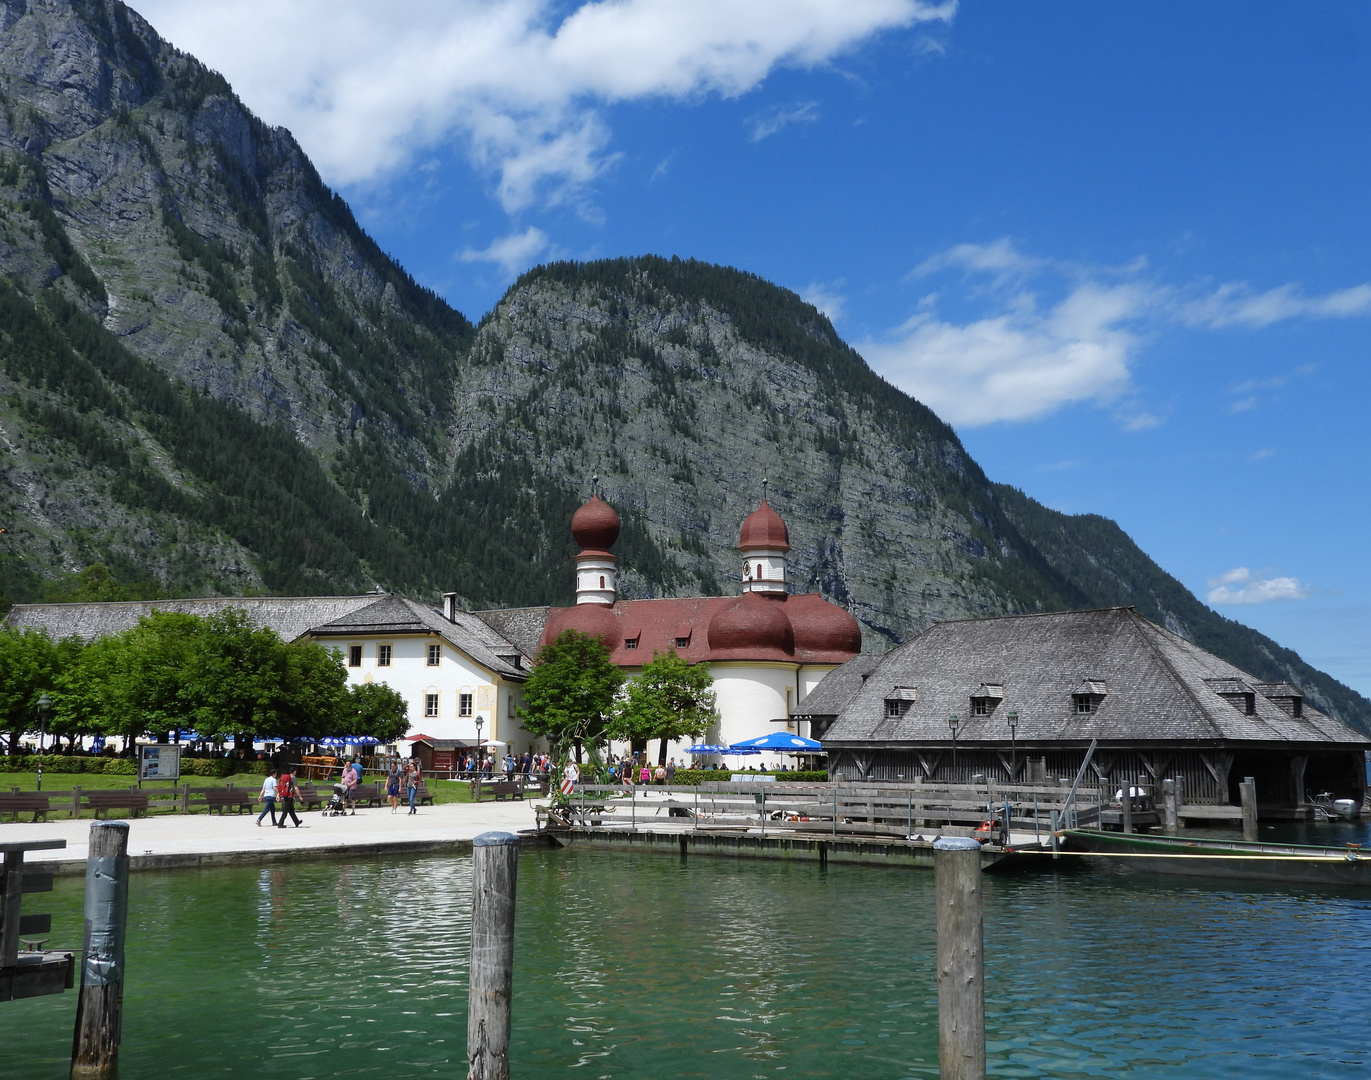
point(699, 776)
point(121, 766)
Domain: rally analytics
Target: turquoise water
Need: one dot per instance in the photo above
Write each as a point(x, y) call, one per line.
point(641, 966)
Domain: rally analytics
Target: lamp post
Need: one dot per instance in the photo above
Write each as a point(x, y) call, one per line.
point(1013, 721)
point(44, 707)
point(480, 758)
point(952, 722)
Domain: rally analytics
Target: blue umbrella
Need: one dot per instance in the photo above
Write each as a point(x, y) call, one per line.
point(707, 748)
point(778, 740)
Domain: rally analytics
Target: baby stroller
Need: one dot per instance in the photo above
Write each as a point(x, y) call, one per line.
point(338, 804)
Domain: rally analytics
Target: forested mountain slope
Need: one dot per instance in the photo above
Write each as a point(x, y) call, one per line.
point(212, 381)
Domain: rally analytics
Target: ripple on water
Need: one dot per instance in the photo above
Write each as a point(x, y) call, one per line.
point(637, 966)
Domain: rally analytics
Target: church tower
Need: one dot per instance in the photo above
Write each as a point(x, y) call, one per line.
point(595, 527)
point(764, 542)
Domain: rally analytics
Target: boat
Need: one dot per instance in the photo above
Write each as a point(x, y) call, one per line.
point(1305, 864)
point(1327, 808)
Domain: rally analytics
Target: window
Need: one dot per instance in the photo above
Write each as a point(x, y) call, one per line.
point(983, 706)
point(435, 654)
point(463, 704)
point(894, 708)
point(383, 656)
point(354, 656)
point(602, 581)
point(682, 642)
point(630, 643)
point(430, 704)
point(1084, 703)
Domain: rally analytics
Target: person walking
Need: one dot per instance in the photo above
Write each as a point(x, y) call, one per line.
point(412, 787)
point(393, 787)
point(289, 792)
point(268, 796)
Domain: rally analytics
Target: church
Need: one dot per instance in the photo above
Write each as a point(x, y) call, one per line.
point(767, 648)
point(462, 673)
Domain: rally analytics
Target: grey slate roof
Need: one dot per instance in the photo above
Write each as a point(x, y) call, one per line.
point(1158, 687)
point(522, 627)
point(289, 616)
point(396, 615)
point(293, 617)
point(838, 687)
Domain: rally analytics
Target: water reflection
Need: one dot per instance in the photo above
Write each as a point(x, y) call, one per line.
point(642, 966)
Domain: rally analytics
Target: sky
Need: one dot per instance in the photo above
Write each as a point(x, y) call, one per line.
point(1124, 249)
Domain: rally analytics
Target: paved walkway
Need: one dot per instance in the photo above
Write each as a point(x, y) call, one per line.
point(170, 840)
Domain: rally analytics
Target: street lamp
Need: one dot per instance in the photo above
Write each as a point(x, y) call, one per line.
point(1013, 720)
point(44, 707)
point(952, 722)
point(479, 721)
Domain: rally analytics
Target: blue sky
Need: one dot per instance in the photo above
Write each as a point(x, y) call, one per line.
point(1123, 248)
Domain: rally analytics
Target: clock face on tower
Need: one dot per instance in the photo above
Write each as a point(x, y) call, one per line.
point(747, 571)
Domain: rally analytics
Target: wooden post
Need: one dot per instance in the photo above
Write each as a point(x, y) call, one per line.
point(1171, 799)
point(1052, 820)
point(76, 802)
point(1248, 792)
point(961, 975)
point(1127, 804)
point(99, 1009)
point(494, 871)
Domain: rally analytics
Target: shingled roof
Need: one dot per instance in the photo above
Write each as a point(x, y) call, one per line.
point(522, 627)
point(838, 687)
point(292, 617)
point(1157, 687)
point(396, 615)
point(289, 616)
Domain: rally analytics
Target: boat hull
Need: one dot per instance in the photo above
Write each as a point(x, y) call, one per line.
point(1280, 863)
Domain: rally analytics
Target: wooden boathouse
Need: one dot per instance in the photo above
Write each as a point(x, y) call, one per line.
point(1020, 699)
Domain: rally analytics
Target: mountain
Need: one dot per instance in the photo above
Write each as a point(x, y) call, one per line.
point(214, 381)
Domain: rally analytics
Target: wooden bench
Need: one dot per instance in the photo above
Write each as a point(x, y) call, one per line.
point(499, 788)
point(371, 794)
point(422, 795)
point(24, 801)
point(136, 802)
point(309, 797)
point(219, 798)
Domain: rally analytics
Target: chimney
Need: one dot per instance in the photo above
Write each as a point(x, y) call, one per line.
point(450, 606)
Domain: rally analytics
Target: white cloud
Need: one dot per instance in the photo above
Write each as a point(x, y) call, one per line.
point(1235, 304)
point(1262, 454)
point(1057, 332)
point(1242, 586)
point(826, 298)
point(511, 253)
point(1020, 364)
point(366, 87)
point(778, 117)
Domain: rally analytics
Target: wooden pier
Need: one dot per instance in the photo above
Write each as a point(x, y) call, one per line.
point(28, 972)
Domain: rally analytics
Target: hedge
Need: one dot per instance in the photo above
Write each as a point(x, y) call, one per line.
point(699, 776)
point(122, 766)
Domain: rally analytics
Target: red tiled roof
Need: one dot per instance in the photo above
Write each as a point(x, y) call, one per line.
point(820, 632)
point(764, 528)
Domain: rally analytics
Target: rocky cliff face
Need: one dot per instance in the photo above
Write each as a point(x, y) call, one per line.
point(213, 381)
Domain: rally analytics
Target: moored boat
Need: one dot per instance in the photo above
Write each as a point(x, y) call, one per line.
point(1305, 864)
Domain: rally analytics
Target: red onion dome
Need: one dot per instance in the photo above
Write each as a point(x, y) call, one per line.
point(764, 529)
point(595, 526)
point(597, 620)
point(823, 630)
point(752, 627)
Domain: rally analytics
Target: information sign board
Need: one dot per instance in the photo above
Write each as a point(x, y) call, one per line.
point(159, 762)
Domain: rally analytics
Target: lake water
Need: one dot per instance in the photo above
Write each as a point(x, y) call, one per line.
point(642, 966)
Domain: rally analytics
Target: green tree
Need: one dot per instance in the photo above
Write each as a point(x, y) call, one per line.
point(309, 694)
point(671, 699)
point(375, 709)
point(29, 665)
point(570, 692)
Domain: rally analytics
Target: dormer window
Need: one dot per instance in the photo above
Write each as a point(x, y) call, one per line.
point(682, 642)
point(1237, 693)
point(986, 698)
point(630, 643)
point(899, 699)
point(1284, 696)
point(1089, 696)
point(683, 636)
